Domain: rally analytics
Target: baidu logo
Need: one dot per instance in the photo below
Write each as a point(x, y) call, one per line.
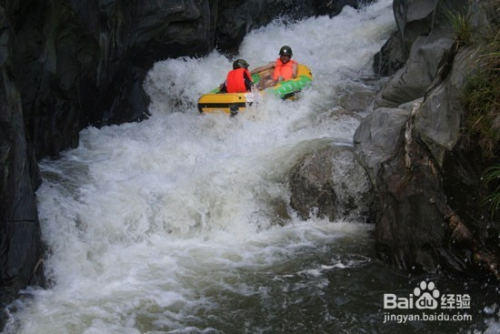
point(426, 296)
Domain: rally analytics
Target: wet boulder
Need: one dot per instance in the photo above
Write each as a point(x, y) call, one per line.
point(329, 183)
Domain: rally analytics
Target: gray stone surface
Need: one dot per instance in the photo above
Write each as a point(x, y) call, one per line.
point(379, 138)
point(416, 18)
point(428, 177)
point(330, 183)
point(413, 80)
point(440, 118)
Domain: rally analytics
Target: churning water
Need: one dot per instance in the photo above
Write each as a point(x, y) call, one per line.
point(181, 223)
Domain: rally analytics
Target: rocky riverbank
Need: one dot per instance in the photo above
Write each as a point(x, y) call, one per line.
point(425, 170)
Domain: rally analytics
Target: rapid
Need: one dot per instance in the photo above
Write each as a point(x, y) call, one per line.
point(181, 223)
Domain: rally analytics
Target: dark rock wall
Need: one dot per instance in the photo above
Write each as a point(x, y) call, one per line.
point(20, 247)
point(427, 177)
point(82, 62)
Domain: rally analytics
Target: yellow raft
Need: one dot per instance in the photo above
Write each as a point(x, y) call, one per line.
point(233, 102)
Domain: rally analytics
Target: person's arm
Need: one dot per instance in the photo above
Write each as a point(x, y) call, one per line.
point(223, 87)
point(248, 80)
point(295, 69)
point(263, 67)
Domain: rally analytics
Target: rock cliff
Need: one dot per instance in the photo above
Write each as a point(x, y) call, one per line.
point(425, 170)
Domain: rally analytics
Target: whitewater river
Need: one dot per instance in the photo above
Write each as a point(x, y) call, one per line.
point(181, 223)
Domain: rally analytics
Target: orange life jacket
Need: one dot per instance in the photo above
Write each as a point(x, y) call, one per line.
point(235, 81)
point(283, 70)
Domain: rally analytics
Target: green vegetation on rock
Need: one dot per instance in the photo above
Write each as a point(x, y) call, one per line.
point(482, 98)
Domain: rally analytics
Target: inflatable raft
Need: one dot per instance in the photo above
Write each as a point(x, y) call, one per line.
point(233, 102)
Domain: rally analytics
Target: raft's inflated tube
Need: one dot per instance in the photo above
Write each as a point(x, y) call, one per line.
point(216, 101)
point(287, 88)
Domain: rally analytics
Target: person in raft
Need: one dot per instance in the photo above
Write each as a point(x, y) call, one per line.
point(284, 68)
point(239, 80)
